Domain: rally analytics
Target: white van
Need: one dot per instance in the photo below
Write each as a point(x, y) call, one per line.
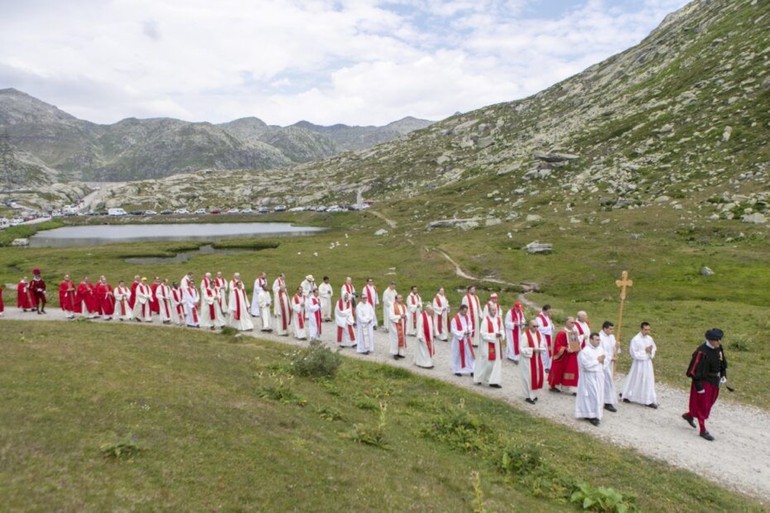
point(116, 212)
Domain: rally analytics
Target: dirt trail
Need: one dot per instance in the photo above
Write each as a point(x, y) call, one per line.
point(740, 431)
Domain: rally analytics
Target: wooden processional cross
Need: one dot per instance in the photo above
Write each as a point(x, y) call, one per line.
point(623, 282)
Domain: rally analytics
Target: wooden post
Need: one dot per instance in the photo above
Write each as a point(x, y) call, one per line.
point(623, 282)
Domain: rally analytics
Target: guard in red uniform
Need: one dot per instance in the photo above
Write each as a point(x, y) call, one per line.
point(37, 292)
point(708, 369)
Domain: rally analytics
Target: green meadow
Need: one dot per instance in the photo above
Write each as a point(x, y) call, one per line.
point(100, 417)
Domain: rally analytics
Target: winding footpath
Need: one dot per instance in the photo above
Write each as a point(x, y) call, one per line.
point(740, 431)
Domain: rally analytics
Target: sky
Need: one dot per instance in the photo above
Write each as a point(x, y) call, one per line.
point(357, 62)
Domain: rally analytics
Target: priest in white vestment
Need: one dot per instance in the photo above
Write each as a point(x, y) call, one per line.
point(461, 347)
point(345, 319)
point(283, 311)
point(472, 303)
point(370, 293)
point(589, 403)
point(298, 315)
point(607, 339)
point(488, 367)
point(307, 285)
point(191, 301)
point(545, 326)
point(143, 296)
point(514, 326)
point(440, 306)
point(348, 288)
point(123, 309)
point(388, 298)
point(239, 316)
point(177, 303)
point(325, 292)
point(264, 308)
point(220, 286)
point(414, 308)
point(259, 284)
point(493, 300)
point(210, 315)
point(531, 351)
point(365, 320)
point(313, 315)
point(165, 306)
point(426, 340)
point(639, 386)
point(397, 332)
point(582, 327)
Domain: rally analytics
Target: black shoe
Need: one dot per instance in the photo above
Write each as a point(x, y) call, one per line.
point(707, 436)
point(595, 422)
point(536, 398)
point(530, 401)
point(458, 374)
point(653, 406)
point(611, 408)
point(395, 357)
point(626, 401)
point(495, 385)
point(553, 389)
point(689, 420)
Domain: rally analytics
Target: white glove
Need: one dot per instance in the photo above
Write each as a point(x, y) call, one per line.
point(702, 391)
point(723, 380)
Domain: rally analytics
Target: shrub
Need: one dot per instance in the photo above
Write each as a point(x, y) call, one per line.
point(372, 435)
point(601, 499)
point(315, 361)
point(520, 460)
point(458, 429)
point(280, 391)
point(127, 449)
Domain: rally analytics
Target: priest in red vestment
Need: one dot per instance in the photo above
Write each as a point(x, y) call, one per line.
point(67, 296)
point(564, 363)
point(23, 301)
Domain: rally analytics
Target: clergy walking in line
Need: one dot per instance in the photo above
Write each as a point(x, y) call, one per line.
point(564, 367)
point(388, 298)
point(589, 403)
point(488, 367)
point(545, 326)
point(365, 324)
point(265, 301)
point(370, 293)
point(609, 345)
point(532, 370)
point(123, 310)
point(298, 314)
point(282, 309)
point(461, 347)
point(142, 301)
point(239, 316)
point(191, 300)
point(426, 342)
point(639, 386)
point(413, 307)
point(259, 284)
point(165, 305)
point(67, 296)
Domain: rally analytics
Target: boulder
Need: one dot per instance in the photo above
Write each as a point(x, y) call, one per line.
point(20, 242)
point(755, 218)
point(555, 157)
point(536, 247)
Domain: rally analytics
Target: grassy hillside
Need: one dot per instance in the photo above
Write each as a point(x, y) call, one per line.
point(209, 422)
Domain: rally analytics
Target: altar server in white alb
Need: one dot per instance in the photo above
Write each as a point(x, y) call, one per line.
point(313, 315)
point(440, 306)
point(463, 357)
point(325, 292)
point(639, 386)
point(239, 316)
point(426, 342)
point(265, 301)
point(345, 320)
point(488, 367)
point(388, 298)
point(589, 403)
point(365, 320)
point(607, 340)
point(531, 352)
point(259, 284)
point(471, 301)
point(414, 307)
point(515, 324)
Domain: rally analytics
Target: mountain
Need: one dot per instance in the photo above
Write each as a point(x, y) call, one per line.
point(679, 121)
point(132, 149)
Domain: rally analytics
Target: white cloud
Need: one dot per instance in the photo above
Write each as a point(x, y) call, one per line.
point(349, 61)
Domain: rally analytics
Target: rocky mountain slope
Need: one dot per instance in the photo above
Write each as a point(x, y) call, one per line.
point(681, 120)
point(154, 148)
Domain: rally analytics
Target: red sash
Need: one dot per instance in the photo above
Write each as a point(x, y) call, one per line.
point(580, 330)
point(426, 320)
point(400, 328)
point(166, 301)
point(284, 317)
point(491, 329)
point(463, 341)
point(548, 338)
point(535, 363)
point(317, 314)
point(300, 318)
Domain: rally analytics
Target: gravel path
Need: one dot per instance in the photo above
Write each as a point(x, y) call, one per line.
point(744, 455)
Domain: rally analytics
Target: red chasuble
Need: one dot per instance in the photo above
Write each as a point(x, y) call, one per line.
point(564, 367)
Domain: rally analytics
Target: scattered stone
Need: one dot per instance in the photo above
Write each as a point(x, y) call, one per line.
point(705, 271)
point(727, 133)
point(555, 157)
point(755, 218)
point(20, 242)
point(536, 247)
point(381, 232)
point(492, 221)
point(534, 218)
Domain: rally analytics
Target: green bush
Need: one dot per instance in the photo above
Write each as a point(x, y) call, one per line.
point(459, 429)
point(124, 449)
point(601, 499)
point(315, 361)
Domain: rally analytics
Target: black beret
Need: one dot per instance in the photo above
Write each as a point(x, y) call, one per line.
point(714, 334)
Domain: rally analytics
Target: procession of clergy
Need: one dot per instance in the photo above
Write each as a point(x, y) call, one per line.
point(575, 360)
